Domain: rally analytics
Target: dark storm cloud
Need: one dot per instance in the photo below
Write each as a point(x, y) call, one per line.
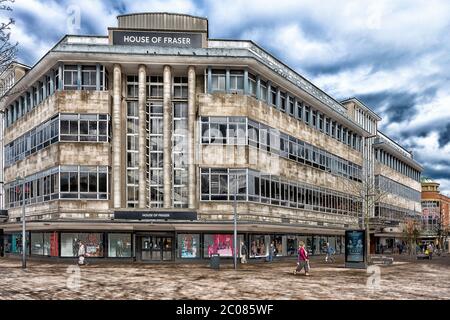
point(29, 21)
point(443, 173)
point(444, 136)
point(398, 104)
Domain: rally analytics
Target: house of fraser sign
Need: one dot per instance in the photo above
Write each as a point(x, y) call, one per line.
point(159, 39)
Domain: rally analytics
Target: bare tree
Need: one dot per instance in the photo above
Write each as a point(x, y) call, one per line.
point(411, 233)
point(369, 192)
point(8, 50)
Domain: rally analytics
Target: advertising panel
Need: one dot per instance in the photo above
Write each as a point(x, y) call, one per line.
point(355, 248)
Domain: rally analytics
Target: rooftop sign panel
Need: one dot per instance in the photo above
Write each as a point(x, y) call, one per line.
point(160, 39)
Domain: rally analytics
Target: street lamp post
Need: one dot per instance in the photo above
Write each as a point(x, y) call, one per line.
point(24, 238)
point(235, 222)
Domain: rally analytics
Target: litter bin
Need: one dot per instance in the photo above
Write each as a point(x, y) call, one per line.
point(215, 261)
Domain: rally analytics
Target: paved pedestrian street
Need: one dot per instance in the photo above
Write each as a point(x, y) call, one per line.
point(405, 279)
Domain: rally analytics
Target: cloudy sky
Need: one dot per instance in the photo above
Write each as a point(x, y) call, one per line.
point(393, 55)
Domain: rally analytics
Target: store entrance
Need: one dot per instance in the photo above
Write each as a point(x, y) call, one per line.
point(156, 248)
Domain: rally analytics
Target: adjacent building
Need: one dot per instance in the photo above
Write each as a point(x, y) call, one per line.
point(143, 143)
point(435, 221)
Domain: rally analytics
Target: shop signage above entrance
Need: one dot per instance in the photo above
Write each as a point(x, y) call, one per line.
point(155, 215)
point(157, 39)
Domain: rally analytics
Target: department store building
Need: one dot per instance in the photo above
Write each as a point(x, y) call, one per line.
point(143, 142)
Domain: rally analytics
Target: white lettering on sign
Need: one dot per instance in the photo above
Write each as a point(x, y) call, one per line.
point(142, 38)
point(156, 40)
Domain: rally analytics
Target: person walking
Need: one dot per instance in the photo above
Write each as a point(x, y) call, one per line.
point(271, 251)
point(302, 260)
point(81, 253)
point(329, 253)
point(430, 250)
point(244, 252)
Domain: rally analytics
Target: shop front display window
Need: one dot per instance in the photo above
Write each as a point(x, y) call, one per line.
point(221, 244)
point(291, 245)
point(119, 245)
point(280, 245)
point(13, 243)
point(188, 246)
point(259, 246)
point(70, 243)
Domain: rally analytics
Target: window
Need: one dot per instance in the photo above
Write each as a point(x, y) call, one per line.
point(263, 90)
point(273, 96)
point(307, 115)
point(88, 77)
point(221, 244)
point(119, 245)
point(93, 242)
point(154, 160)
point(188, 246)
point(327, 126)
point(283, 101)
point(85, 127)
point(291, 104)
point(66, 182)
point(179, 154)
point(132, 87)
point(218, 80)
point(156, 87)
point(222, 184)
point(252, 84)
point(314, 118)
point(271, 189)
point(44, 244)
point(132, 154)
point(70, 77)
point(299, 109)
point(320, 121)
point(236, 81)
point(180, 87)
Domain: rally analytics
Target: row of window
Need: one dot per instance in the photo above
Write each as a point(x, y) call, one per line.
point(155, 154)
point(61, 127)
point(185, 245)
point(180, 155)
point(392, 213)
point(238, 81)
point(154, 87)
point(64, 77)
point(132, 153)
point(244, 131)
point(250, 185)
point(391, 186)
point(396, 164)
point(64, 182)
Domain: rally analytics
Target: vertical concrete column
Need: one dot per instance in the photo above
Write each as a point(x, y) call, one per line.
point(246, 89)
point(258, 87)
point(209, 81)
point(116, 139)
point(142, 74)
point(167, 131)
point(97, 76)
point(52, 84)
point(60, 77)
point(227, 81)
point(191, 138)
point(79, 77)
